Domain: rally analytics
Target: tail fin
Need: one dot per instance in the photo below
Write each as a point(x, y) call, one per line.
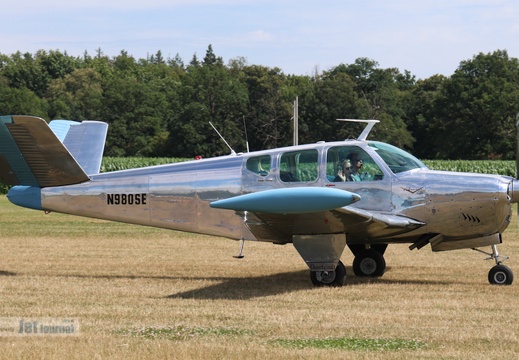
point(32, 154)
point(85, 141)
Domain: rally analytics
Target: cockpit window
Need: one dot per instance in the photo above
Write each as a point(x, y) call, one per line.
point(259, 165)
point(351, 163)
point(298, 166)
point(397, 159)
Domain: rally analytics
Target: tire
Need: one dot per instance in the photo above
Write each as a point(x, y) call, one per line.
point(369, 263)
point(500, 275)
point(329, 278)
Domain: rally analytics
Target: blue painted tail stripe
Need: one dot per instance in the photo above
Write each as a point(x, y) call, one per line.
point(26, 196)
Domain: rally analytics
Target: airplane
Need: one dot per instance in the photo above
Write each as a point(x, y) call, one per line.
point(290, 195)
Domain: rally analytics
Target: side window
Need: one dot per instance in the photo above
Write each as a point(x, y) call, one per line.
point(299, 166)
point(259, 165)
point(351, 163)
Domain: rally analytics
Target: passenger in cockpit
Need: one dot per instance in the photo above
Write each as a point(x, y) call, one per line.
point(344, 172)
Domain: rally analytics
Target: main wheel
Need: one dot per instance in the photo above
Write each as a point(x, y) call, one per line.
point(369, 263)
point(329, 278)
point(500, 275)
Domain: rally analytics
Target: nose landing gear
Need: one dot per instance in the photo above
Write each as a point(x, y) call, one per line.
point(499, 274)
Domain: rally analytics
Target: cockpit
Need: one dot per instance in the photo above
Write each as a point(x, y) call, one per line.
point(335, 163)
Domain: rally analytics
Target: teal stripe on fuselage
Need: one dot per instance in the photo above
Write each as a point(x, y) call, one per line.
point(13, 155)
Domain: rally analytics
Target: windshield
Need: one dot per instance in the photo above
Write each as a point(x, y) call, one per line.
point(397, 159)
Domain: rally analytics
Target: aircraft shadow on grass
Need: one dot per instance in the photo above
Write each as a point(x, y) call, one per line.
point(243, 288)
point(234, 288)
point(7, 273)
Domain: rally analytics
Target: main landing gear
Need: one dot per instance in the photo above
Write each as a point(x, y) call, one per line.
point(369, 262)
point(329, 278)
point(322, 254)
point(500, 274)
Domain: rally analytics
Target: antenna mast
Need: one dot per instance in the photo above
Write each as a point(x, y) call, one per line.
point(221, 137)
point(296, 121)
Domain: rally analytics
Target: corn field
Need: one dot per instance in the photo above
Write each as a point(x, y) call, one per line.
point(123, 163)
point(501, 167)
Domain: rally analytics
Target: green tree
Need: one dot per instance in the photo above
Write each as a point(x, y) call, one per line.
point(270, 112)
point(423, 116)
point(77, 96)
point(378, 94)
point(335, 98)
point(24, 71)
point(20, 101)
point(478, 105)
point(209, 94)
point(134, 113)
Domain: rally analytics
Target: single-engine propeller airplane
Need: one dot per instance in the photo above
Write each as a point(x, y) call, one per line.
point(320, 197)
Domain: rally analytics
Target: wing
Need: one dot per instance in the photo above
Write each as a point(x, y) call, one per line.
point(356, 223)
point(270, 217)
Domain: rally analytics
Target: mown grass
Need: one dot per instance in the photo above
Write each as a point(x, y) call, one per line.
point(351, 344)
point(143, 293)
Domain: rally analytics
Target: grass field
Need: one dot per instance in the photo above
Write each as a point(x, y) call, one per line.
point(141, 293)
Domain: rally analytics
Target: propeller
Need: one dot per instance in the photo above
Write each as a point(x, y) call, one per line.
point(517, 149)
point(516, 181)
point(513, 188)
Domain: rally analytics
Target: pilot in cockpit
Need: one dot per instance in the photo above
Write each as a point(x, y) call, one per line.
point(344, 172)
point(357, 163)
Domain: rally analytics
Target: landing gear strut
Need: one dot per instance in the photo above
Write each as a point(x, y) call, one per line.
point(500, 274)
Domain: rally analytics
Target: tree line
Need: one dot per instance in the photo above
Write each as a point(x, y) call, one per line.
point(161, 107)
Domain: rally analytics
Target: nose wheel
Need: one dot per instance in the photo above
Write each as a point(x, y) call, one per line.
point(500, 274)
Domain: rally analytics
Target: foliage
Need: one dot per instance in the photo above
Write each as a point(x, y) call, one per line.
point(161, 106)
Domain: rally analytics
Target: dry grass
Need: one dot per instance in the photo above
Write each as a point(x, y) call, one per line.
point(146, 293)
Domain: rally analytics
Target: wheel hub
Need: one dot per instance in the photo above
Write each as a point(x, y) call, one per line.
point(500, 277)
point(325, 277)
point(368, 266)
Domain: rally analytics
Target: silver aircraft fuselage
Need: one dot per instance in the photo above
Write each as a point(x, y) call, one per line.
point(463, 208)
